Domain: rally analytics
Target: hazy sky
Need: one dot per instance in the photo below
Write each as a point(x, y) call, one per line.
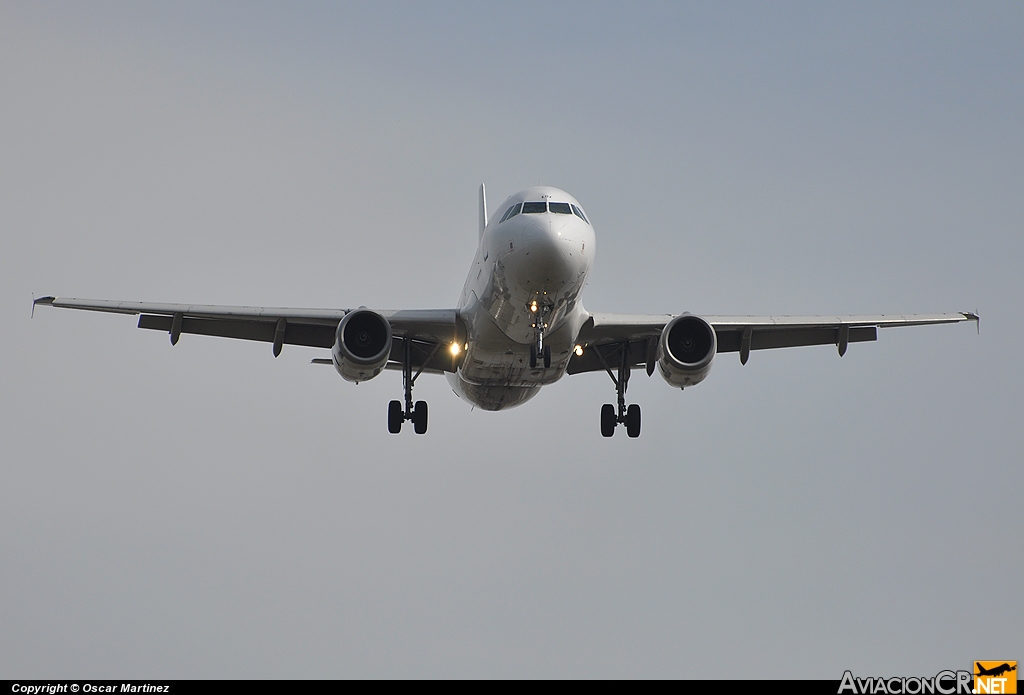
point(209, 511)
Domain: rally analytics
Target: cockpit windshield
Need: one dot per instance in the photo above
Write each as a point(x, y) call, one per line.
point(534, 208)
point(511, 212)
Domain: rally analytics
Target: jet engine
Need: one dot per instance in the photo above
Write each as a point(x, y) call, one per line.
point(686, 349)
point(362, 345)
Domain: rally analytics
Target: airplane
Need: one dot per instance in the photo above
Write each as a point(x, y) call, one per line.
point(996, 671)
point(519, 324)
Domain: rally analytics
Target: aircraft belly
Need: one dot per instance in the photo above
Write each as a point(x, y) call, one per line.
point(491, 397)
point(494, 359)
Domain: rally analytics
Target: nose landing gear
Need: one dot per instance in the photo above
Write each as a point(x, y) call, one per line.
point(612, 416)
point(545, 354)
point(538, 349)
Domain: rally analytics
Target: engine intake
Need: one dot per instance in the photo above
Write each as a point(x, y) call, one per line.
point(686, 349)
point(362, 345)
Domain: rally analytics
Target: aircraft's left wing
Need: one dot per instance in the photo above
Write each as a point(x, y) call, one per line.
point(640, 332)
point(277, 325)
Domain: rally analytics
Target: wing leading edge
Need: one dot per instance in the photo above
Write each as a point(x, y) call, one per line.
point(280, 325)
point(741, 333)
point(426, 328)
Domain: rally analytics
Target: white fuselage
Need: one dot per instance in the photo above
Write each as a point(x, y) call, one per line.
point(532, 259)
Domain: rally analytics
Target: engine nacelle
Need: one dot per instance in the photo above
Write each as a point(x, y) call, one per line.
point(362, 345)
point(686, 349)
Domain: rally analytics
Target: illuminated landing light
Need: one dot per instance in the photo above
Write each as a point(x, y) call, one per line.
point(579, 351)
point(533, 307)
point(455, 349)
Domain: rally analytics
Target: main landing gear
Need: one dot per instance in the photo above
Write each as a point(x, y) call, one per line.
point(612, 416)
point(418, 412)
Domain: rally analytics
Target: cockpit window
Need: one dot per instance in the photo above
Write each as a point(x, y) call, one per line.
point(511, 212)
point(539, 207)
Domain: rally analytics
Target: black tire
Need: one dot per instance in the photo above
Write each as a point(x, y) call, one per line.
point(395, 417)
point(419, 417)
point(547, 357)
point(533, 357)
point(607, 420)
point(633, 421)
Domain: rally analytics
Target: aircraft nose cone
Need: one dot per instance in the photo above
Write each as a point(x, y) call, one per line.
point(545, 261)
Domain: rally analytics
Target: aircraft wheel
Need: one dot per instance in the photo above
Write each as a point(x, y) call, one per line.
point(395, 417)
point(633, 421)
point(547, 357)
point(533, 357)
point(607, 420)
point(419, 417)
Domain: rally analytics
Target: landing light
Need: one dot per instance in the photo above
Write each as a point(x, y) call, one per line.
point(579, 351)
point(455, 349)
point(533, 307)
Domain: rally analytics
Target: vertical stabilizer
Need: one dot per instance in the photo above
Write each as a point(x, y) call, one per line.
point(483, 208)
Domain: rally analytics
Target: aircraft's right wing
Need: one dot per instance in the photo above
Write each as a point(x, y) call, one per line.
point(424, 328)
point(736, 333)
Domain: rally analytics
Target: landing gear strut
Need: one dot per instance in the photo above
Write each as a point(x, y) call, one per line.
point(416, 412)
point(545, 353)
point(612, 416)
point(538, 349)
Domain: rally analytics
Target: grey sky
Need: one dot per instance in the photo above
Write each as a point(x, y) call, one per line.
point(206, 510)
